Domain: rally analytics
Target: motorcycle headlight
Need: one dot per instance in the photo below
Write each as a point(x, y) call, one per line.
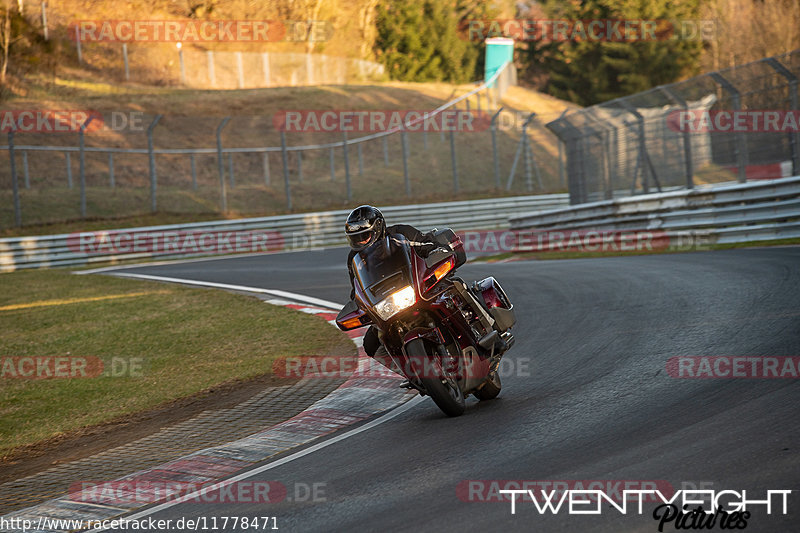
point(396, 302)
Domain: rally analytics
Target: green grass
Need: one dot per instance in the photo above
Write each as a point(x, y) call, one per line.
point(186, 340)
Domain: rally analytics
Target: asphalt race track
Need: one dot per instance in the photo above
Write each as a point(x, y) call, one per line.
point(588, 396)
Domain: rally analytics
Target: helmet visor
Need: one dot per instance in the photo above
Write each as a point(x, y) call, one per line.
point(360, 240)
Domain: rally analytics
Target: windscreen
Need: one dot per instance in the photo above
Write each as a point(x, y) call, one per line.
point(383, 268)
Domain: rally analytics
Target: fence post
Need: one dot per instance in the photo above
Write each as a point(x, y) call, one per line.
point(231, 177)
point(687, 139)
point(266, 169)
point(78, 44)
point(221, 166)
point(561, 176)
point(333, 165)
point(182, 64)
point(14, 184)
point(240, 70)
point(285, 158)
point(496, 157)
point(212, 78)
point(69, 169)
point(111, 180)
point(385, 151)
point(514, 163)
point(643, 153)
point(81, 133)
point(125, 61)
point(346, 166)
point(360, 160)
point(25, 169)
point(299, 165)
point(152, 156)
point(44, 21)
point(309, 70)
point(741, 141)
point(453, 160)
point(194, 171)
point(265, 67)
point(404, 146)
point(795, 136)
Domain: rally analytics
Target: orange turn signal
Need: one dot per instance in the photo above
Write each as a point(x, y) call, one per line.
point(443, 269)
point(352, 323)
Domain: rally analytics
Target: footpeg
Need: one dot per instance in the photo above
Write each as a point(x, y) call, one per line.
point(487, 341)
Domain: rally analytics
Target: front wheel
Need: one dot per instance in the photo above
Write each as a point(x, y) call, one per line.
point(444, 390)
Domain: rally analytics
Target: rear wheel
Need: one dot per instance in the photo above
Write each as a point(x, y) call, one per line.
point(444, 389)
point(491, 389)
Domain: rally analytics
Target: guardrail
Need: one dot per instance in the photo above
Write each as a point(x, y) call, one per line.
point(731, 213)
point(291, 232)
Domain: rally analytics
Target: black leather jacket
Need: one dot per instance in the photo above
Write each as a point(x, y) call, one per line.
point(420, 241)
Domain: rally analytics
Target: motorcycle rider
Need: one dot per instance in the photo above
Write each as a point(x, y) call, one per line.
point(365, 226)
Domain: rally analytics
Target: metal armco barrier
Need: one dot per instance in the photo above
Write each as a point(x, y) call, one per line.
point(728, 213)
point(301, 231)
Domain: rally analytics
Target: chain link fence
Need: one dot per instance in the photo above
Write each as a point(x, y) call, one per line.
point(735, 124)
point(246, 165)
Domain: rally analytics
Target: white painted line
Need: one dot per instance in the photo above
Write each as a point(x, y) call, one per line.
point(297, 455)
point(281, 294)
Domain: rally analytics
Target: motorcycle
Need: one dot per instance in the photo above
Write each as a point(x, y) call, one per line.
point(444, 337)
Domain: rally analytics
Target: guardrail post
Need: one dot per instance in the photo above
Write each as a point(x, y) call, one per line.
point(285, 157)
point(231, 177)
point(404, 147)
point(25, 169)
point(741, 141)
point(223, 195)
point(193, 166)
point(453, 160)
point(14, 184)
point(81, 133)
point(794, 136)
point(687, 138)
point(266, 169)
point(111, 169)
point(333, 164)
point(346, 166)
point(495, 156)
point(68, 157)
point(152, 157)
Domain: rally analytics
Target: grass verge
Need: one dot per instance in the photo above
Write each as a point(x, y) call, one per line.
point(165, 342)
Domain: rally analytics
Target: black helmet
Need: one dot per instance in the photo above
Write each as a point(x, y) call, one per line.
point(364, 226)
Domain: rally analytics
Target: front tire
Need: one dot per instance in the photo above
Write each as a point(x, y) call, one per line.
point(444, 391)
